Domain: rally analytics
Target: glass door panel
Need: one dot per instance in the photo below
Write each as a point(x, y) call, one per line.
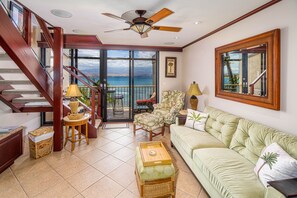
point(118, 98)
point(144, 80)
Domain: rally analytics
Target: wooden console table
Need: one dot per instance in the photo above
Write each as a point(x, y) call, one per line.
point(11, 147)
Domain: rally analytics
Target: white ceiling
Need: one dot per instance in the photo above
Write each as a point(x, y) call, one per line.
point(87, 17)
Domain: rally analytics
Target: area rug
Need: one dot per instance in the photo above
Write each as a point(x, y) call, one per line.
point(115, 125)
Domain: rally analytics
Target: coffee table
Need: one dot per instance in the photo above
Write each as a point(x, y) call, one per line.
point(155, 173)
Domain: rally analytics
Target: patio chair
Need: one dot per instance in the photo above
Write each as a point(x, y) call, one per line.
point(164, 114)
point(146, 103)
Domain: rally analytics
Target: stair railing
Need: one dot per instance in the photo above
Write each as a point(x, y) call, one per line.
point(252, 85)
point(73, 71)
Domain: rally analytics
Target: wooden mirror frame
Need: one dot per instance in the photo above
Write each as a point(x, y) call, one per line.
point(272, 99)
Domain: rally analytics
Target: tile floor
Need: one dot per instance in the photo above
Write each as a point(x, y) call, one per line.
point(102, 169)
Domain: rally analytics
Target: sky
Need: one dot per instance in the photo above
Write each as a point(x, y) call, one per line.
point(116, 67)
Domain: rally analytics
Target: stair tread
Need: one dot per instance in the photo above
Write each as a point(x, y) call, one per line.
point(15, 82)
point(38, 104)
point(28, 99)
point(97, 123)
point(4, 57)
point(10, 70)
point(20, 91)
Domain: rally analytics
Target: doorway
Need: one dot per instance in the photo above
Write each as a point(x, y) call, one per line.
point(125, 76)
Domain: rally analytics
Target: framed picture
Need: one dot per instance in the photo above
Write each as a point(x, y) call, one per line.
point(170, 67)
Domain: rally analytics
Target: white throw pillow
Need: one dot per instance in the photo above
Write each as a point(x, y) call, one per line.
point(285, 166)
point(196, 120)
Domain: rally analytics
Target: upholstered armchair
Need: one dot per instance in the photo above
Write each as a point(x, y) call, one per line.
point(172, 102)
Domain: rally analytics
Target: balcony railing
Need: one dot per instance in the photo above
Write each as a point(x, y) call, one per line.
point(140, 92)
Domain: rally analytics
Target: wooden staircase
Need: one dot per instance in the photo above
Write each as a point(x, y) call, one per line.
point(17, 91)
point(25, 86)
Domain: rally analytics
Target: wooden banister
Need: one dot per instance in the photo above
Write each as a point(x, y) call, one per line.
point(81, 73)
point(47, 35)
point(252, 85)
point(19, 51)
point(94, 91)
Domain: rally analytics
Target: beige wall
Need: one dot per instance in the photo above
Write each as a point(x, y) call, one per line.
point(170, 83)
point(198, 62)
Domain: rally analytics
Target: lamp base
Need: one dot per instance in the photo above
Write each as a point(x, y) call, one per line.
point(194, 102)
point(73, 106)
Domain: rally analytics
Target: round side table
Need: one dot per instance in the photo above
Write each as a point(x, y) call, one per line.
point(76, 123)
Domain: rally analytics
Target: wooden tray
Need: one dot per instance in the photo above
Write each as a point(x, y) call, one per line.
point(161, 156)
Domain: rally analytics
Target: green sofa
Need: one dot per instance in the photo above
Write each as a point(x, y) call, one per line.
point(223, 158)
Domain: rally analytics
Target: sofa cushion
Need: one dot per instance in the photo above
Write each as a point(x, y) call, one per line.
point(191, 139)
point(230, 173)
point(251, 138)
point(220, 124)
point(196, 120)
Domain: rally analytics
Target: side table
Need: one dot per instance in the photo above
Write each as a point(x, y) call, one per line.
point(181, 117)
point(76, 123)
point(288, 187)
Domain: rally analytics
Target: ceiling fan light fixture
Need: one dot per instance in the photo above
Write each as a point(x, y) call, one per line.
point(141, 28)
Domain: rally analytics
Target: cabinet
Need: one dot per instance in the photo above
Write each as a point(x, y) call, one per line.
point(11, 147)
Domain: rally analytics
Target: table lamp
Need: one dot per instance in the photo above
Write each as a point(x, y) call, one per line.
point(193, 92)
point(73, 92)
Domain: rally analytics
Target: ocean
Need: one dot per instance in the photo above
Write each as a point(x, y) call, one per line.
point(124, 80)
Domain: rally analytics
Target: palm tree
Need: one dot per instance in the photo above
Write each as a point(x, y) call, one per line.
point(195, 117)
point(269, 158)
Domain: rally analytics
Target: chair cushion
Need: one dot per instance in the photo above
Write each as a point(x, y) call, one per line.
point(230, 173)
point(151, 173)
point(251, 138)
point(220, 124)
point(148, 121)
point(191, 139)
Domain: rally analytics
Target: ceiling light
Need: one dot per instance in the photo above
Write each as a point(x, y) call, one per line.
point(197, 22)
point(140, 28)
point(169, 43)
point(78, 31)
point(61, 13)
point(176, 37)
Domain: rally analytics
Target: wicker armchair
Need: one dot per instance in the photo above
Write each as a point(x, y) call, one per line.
point(172, 102)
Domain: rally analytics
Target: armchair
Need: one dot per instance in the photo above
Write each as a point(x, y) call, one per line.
point(172, 102)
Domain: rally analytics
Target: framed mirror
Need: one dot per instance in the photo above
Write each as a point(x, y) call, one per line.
point(248, 71)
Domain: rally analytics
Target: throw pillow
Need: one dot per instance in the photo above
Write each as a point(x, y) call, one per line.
point(196, 120)
point(275, 164)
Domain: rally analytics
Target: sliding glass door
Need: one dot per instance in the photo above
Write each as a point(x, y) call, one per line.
point(125, 76)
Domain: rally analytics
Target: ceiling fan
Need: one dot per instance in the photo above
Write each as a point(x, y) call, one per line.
point(141, 21)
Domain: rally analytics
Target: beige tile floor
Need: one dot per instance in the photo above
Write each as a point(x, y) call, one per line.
point(102, 169)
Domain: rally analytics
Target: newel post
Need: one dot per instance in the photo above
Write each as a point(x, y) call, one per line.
point(58, 88)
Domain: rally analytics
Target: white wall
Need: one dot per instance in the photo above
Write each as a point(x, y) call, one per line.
point(199, 65)
point(30, 121)
point(170, 83)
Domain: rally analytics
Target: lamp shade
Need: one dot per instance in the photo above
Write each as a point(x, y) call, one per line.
point(194, 90)
point(73, 91)
point(140, 28)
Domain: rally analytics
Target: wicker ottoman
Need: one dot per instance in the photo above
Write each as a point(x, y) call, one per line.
point(154, 181)
point(149, 123)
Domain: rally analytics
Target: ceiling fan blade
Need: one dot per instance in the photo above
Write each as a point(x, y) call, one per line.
point(114, 16)
point(144, 35)
point(159, 15)
point(116, 30)
point(167, 28)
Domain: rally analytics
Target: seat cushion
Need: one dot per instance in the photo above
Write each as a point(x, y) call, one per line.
point(191, 139)
point(148, 121)
point(230, 173)
point(151, 173)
